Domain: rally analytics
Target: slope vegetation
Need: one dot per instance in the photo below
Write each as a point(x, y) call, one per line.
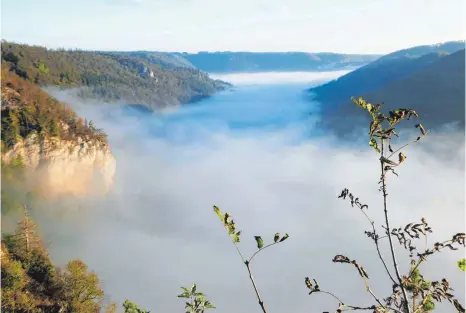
point(27, 109)
point(438, 91)
point(111, 77)
point(387, 69)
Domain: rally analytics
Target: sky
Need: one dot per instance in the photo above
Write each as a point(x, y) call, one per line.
point(357, 26)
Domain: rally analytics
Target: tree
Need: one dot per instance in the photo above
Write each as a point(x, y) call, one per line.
point(131, 307)
point(26, 233)
point(81, 289)
point(27, 272)
point(15, 298)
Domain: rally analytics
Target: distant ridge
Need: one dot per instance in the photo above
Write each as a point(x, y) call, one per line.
point(433, 84)
point(252, 62)
point(386, 69)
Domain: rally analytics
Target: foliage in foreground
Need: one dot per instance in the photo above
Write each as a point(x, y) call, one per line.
point(196, 301)
point(411, 292)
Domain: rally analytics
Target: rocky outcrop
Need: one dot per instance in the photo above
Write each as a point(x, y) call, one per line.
point(57, 167)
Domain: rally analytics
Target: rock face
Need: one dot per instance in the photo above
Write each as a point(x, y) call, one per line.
point(57, 167)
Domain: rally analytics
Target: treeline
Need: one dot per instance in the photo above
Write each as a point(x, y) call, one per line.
point(26, 109)
point(31, 283)
point(108, 77)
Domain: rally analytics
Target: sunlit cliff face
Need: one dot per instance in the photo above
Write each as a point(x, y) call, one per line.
point(57, 167)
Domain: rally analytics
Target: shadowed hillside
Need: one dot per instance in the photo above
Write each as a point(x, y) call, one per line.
point(387, 69)
point(438, 91)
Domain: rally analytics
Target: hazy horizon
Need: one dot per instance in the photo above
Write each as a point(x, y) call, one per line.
point(242, 25)
point(230, 51)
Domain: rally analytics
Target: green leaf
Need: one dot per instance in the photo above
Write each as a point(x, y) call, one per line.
point(369, 107)
point(193, 289)
point(462, 264)
point(184, 295)
point(284, 238)
point(276, 237)
point(236, 236)
point(373, 144)
point(225, 218)
point(260, 242)
point(219, 213)
point(359, 102)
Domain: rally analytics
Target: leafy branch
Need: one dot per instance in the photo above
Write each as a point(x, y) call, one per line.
point(234, 234)
point(196, 300)
point(423, 293)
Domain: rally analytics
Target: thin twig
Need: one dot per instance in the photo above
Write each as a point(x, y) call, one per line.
point(387, 223)
point(261, 303)
point(353, 307)
point(405, 145)
point(372, 293)
point(265, 247)
point(376, 240)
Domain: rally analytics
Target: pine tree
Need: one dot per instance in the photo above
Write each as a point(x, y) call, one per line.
point(26, 237)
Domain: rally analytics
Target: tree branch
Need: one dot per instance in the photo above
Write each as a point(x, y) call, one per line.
point(405, 145)
point(269, 245)
point(387, 223)
point(376, 240)
point(261, 303)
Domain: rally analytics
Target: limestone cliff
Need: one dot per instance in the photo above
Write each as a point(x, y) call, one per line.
point(58, 167)
point(62, 153)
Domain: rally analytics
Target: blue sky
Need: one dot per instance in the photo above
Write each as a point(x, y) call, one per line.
point(352, 26)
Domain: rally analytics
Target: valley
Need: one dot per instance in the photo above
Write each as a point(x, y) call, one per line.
point(121, 155)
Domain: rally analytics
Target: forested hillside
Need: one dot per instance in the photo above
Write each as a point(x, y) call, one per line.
point(387, 69)
point(109, 77)
point(165, 59)
point(27, 109)
point(438, 91)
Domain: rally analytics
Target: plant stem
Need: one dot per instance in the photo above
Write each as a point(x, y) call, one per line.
point(352, 307)
point(269, 245)
point(387, 224)
point(376, 240)
point(261, 303)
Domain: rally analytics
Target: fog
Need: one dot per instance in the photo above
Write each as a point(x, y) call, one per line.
point(261, 78)
point(156, 230)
